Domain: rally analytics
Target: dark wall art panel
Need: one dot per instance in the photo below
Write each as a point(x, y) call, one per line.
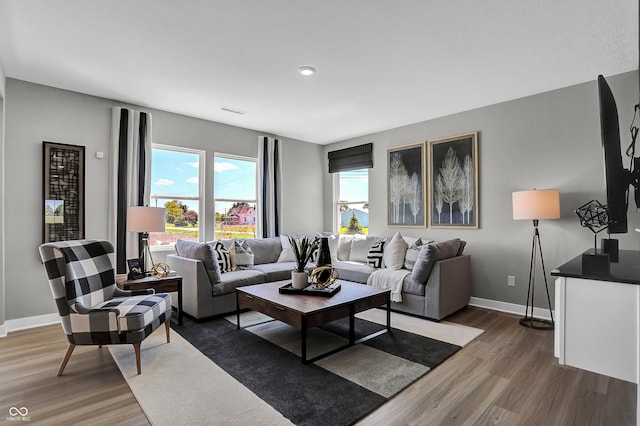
point(406, 186)
point(453, 191)
point(63, 192)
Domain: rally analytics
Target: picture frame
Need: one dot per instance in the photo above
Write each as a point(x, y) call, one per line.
point(136, 270)
point(406, 187)
point(453, 177)
point(63, 192)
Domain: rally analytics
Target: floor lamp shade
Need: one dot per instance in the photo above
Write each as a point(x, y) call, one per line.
point(536, 204)
point(145, 219)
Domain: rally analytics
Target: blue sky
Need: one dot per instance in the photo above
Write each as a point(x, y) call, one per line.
point(176, 174)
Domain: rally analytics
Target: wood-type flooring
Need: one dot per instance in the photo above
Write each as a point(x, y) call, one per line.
point(506, 376)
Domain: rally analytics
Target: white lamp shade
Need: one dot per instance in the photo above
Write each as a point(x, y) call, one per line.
point(536, 204)
point(145, 219)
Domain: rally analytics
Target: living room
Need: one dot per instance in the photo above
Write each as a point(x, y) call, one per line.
point(549, 138)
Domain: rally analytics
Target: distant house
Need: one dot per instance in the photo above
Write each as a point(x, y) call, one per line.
point(242, 214)
point(363, 217)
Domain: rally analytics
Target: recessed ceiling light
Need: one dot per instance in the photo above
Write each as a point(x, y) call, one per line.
point(307, 71)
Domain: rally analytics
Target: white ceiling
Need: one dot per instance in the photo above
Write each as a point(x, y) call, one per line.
point(381, 63)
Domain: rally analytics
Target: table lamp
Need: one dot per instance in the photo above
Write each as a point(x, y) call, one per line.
point(143, 220)
point(535, 205)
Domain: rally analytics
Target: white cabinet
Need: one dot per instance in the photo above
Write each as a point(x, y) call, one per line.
point(597, 326)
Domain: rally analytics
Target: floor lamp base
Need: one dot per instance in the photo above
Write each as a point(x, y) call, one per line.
point(538, 324)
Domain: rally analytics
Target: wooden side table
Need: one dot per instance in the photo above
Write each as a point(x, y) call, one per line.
point(160, 285)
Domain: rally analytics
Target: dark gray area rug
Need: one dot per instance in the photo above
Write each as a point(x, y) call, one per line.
point(337, 390)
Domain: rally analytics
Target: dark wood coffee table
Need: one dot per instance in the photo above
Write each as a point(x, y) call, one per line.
point(304, 312)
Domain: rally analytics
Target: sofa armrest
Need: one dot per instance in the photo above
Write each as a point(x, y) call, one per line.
point(448, 288)
point(196, 286)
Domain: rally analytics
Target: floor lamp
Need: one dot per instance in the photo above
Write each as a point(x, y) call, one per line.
point(535, 205)
point(144, 220)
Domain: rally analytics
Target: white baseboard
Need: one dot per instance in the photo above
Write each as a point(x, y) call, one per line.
point(28, 322)
point(511, 308)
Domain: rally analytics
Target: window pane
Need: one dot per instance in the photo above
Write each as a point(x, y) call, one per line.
point(234, 197)
point(234, 179)
point(235, 220)
point(175, 186)
point(353, 205)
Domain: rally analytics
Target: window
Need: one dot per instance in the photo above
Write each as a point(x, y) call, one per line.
point(353, 204)
point(175, 185)
point(234, 196)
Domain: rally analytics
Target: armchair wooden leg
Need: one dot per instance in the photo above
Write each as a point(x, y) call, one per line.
point(67, 355)
point(167, 325)
point(136, 347)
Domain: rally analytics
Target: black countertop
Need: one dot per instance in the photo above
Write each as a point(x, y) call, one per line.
point(626, 270)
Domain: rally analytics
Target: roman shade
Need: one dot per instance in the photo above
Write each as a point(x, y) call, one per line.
point(353, 158)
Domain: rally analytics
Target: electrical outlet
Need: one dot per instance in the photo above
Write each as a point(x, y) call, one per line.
point(511, 280)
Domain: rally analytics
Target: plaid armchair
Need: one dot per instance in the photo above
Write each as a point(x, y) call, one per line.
point(93, 310)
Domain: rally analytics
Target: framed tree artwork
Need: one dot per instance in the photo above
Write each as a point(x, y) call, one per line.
point(453, 188)
point(406, 187)
point(63, 192)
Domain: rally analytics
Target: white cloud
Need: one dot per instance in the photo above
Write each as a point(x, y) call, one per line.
point(193, 179)
point(223, 167)
point(164, 182)
point(194, 164)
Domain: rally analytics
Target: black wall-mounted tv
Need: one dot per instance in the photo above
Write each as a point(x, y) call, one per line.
point(617, 178)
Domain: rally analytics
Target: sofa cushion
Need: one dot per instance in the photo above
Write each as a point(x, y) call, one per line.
point(394, 252)
point(203, 252)
point(412, 287)
point(374, 256)
point(234, 279)
point(353, 271)
point(429, 254)
point(265, 250)
point(278, 271)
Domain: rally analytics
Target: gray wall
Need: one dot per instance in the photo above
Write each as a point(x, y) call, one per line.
point(550, 140)
point(36, 113)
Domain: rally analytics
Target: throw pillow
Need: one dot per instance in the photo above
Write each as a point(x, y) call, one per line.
point(211, 264)
point(463, 244)
point(244, 255)
point(360, 246)
point(344, 246)
point(287, 254)
point(224, 257)
point(412, 254)
point(374, 257)
point(428, 256)
point(394, 252)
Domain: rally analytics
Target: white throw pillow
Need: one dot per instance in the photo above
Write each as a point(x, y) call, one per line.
point(287, 254)
point(394, 252)
point(360, 246)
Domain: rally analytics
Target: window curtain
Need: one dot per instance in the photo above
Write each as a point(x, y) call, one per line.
point(129, 178)
point(353, 158)
point(269, 187)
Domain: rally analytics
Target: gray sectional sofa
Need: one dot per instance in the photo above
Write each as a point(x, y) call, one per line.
point(435, 276)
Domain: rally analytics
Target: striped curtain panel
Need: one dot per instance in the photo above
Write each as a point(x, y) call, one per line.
point(129, 178)
point(269, 187)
